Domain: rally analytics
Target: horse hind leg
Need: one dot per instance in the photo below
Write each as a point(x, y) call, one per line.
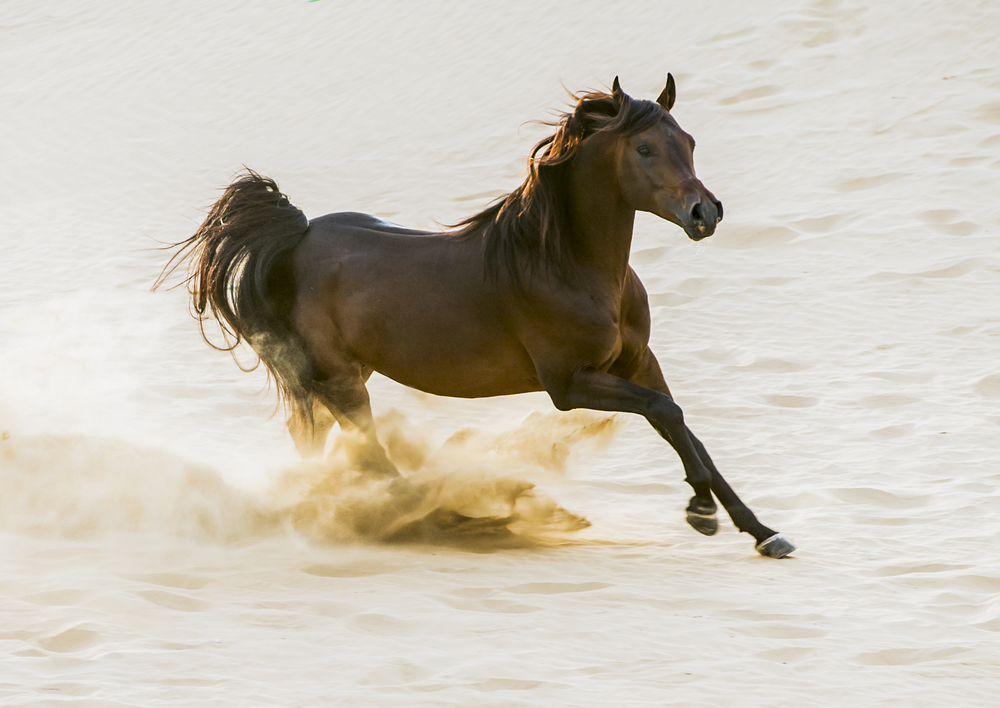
point(309, 435)
point(345, 396)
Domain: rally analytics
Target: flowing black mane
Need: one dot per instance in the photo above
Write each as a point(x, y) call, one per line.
point(528, 227)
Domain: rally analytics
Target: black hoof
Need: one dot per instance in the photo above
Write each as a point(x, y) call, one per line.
point(705, 524)
point(777, 546)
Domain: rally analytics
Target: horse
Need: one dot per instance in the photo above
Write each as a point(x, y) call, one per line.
point(534, 293)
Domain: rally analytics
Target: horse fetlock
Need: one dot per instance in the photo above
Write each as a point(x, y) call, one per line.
point(746, 522)
point(702, 506)
point(700, 480)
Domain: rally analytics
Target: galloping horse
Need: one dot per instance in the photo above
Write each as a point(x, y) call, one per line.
point(534, 293)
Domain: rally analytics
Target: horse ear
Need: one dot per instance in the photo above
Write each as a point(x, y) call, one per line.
point(669, 94)
point(616, 89)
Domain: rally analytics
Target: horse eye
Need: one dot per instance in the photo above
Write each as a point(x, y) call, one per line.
point(643, 150)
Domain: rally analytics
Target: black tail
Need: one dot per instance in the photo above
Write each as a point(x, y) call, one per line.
point(240, 275)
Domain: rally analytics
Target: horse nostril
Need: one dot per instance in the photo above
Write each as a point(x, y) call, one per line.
point(696, 213)
point(718, 208)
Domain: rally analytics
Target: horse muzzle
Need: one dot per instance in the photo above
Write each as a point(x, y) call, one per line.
point(702, 218)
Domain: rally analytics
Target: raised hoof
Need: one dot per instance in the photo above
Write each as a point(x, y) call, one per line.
point(777, 546)
point(705, 524)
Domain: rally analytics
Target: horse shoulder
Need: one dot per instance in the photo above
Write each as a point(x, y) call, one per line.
point(568, 326)
point(635, 318)
point(635, 326)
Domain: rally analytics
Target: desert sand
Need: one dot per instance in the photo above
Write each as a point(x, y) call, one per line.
point(835, 345)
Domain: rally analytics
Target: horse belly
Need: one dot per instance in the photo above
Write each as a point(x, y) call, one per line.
point(443, 351)
point(436, 332)
point(448, 371)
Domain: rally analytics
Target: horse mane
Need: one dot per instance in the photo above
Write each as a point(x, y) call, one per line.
point(530, 226)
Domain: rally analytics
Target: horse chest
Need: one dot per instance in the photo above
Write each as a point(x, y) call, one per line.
point(584, 330)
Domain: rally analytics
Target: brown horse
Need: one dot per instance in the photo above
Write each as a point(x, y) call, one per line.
point(534, 293)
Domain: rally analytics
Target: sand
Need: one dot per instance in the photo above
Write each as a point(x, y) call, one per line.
point(835, 345)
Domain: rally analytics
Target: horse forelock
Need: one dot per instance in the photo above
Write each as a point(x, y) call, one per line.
point(528, 228)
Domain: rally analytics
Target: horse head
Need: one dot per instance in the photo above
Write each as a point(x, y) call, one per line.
point(656, 171)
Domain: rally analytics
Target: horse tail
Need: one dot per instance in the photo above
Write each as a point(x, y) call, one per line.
point(240, 275)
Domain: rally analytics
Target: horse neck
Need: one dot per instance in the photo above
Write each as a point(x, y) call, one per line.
point(601, 220)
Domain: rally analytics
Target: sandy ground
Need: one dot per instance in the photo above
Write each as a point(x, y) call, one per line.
point(835, 345)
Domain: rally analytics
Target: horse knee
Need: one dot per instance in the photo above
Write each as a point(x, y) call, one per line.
point(669, 414)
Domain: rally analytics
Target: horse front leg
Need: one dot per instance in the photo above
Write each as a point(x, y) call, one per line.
point(598, 390)
point(768, 542)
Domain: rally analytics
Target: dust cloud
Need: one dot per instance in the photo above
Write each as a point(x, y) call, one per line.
point(477, 489)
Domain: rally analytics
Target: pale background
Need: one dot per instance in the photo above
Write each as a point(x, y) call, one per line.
point(835, 345)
